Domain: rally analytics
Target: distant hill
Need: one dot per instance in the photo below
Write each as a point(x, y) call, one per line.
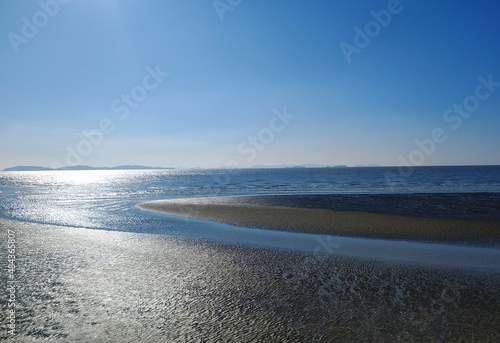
point(261, 166)
point(124, 167)
point(299, 166)
point(27, 168)
point(368, 165)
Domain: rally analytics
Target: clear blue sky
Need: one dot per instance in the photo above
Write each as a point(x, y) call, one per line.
point(227, 77)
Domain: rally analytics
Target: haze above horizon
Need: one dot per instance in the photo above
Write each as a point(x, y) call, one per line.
point(244, 83)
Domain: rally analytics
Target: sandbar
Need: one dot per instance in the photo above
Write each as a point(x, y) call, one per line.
point(230, 210)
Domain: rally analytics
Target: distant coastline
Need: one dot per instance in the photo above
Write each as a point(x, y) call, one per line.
point(281, 166)
point(139, 167)
point(81, 167)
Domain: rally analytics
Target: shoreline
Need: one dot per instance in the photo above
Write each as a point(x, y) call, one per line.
point(229, 210)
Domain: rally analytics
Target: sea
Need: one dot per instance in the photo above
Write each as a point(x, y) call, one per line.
point(132, 275)
point(107, 199)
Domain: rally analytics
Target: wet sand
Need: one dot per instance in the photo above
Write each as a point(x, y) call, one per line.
point(234, 211)
point(81, 285)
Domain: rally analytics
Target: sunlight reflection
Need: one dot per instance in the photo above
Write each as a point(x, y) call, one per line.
point(85, 177)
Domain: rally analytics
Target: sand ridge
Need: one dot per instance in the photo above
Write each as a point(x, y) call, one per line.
point(359, 224)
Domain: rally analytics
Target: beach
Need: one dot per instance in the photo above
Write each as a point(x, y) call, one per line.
point(84, 285)
point(260, 212)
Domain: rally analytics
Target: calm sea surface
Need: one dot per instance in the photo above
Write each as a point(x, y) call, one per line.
point(106, 199)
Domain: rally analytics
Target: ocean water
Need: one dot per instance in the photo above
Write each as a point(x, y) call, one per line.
point(107, 199)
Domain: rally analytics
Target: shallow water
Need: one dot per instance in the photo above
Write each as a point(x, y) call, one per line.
point(107, 199)
point(380, 249)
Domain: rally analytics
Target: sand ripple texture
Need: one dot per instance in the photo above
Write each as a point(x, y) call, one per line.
point(81, 285)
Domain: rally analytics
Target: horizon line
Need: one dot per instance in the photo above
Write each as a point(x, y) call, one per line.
point(305, 166)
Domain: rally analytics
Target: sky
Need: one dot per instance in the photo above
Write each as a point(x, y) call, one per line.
point(203, 83)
